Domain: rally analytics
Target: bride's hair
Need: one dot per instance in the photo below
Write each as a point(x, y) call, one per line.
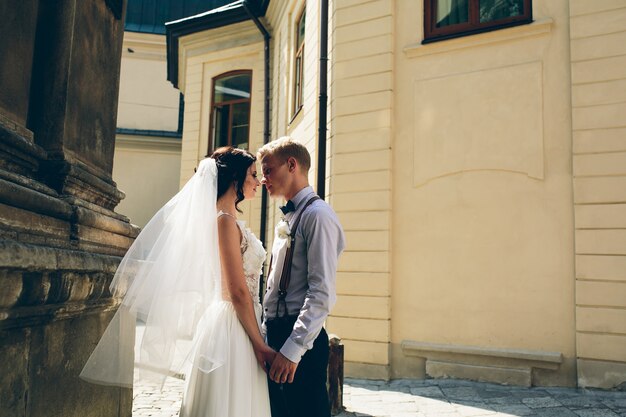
point(232, 167)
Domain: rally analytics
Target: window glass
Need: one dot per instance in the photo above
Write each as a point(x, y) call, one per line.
point(221, 118)
point(300, 35)
point(240, 127)
point(234, 87)
point(491, 10)
point(452, 12)
point(297, 88)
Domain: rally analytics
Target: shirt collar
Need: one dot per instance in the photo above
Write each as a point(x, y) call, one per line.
point(301, 196)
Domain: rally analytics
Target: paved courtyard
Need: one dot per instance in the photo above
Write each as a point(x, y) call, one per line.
point(429, 398)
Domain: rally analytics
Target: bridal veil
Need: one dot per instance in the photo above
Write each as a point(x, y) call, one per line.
point(171, 280)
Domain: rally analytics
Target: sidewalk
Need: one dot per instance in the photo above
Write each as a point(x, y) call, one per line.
point(429, 398)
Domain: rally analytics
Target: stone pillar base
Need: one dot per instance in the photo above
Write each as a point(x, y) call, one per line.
point(58, 255)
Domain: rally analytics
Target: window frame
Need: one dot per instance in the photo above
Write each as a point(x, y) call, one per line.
point(298, 77)
point(432, 33)
point(228, 103)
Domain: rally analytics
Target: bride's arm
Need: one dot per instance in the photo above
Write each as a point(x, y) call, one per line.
point(233, 276)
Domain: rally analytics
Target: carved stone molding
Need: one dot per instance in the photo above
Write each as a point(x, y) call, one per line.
point(72, 177)
point(18, 153)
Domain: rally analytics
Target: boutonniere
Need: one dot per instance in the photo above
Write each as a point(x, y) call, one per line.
point(283, 231)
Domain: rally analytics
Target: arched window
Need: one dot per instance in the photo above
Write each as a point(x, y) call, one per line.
point(230, 110)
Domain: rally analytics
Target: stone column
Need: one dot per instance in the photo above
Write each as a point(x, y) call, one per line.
point(60, 240)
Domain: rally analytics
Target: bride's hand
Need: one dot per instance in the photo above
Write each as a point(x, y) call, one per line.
point(265, 356)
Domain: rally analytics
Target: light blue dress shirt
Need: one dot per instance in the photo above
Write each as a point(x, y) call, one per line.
point(311, 293)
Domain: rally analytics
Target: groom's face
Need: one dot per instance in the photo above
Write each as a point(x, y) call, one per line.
point(275, 175)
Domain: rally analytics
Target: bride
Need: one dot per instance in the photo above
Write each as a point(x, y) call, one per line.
point(192, 275)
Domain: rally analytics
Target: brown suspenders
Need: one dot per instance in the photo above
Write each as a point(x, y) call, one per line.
point(285, 275)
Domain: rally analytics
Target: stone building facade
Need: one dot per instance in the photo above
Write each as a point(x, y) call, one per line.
point(60, 237)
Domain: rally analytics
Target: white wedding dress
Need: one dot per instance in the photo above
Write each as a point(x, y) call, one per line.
point(235, 386)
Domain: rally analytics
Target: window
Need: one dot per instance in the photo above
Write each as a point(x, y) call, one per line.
point(445, 19)
point(230, 119)
point(299, 64)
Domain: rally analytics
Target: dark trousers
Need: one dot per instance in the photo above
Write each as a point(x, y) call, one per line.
point(306, 396)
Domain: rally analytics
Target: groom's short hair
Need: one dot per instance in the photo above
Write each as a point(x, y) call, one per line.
point(285, 148)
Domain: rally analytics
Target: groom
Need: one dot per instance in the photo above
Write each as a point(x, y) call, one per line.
point(294, 313)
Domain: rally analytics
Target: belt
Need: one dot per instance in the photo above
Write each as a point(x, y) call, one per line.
point(281, 318)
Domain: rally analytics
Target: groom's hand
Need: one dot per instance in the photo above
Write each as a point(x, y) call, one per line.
point(283, 370)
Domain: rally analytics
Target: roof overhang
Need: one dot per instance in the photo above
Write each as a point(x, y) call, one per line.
point(229, 14)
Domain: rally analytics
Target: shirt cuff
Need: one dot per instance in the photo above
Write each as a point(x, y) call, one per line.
point(292, 351)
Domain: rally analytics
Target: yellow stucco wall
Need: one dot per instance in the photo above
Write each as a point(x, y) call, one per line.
point(146, 168)
point(361, 130)
point(147, 100)
point(482, 196)
point(598, 54)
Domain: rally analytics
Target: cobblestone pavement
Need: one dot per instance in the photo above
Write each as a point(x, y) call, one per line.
point(429, 398)
point(148, 400)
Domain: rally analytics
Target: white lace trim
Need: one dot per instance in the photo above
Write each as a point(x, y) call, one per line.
point(253, 255)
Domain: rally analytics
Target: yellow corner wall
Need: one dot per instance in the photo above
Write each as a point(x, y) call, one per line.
point(361, 173)
point(598, 54)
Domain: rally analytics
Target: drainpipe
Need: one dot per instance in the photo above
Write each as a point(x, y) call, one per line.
point(266, 126)
point(323, 100)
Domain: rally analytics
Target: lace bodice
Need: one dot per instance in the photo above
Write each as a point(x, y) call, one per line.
point(253, 255)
